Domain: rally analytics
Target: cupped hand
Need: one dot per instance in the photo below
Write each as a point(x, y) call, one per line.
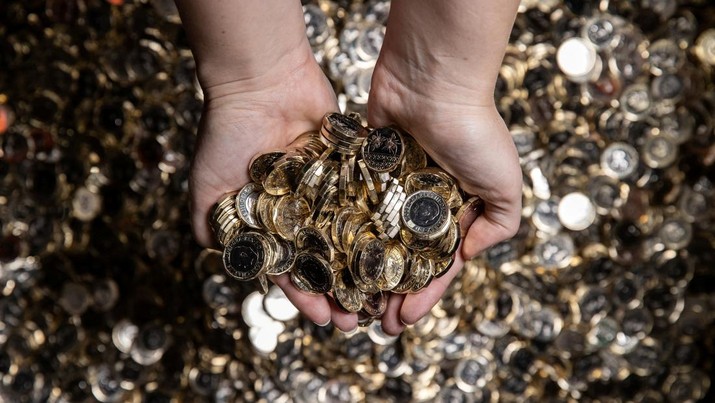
point(248, 116)
point(465, 135)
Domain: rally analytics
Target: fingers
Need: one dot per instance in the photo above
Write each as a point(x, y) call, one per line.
point(489, 229)
point(346, 322)
point(415, 306)
point(315, 307)
point(391, 323)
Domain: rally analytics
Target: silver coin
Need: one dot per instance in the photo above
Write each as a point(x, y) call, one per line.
point(246, 204)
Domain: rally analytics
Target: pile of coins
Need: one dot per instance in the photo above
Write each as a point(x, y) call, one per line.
point(607, 293)
point(348, 210)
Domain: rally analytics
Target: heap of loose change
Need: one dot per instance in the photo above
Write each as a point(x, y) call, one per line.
point(352, 212)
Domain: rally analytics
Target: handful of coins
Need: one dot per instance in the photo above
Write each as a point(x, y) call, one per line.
point(348, 211)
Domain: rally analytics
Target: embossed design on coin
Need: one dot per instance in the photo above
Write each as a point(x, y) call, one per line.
point(383, 149)
point(245, 255)
point(246, 204)
point(289, 214)
point(372, 261)
point(314, 271)
point(426, 214)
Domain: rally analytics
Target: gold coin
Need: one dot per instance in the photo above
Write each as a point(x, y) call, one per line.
point(263, 284)
point(313, 272)
point(284, 176)
point(311, 239)
point(264, 210)
point(395, 259)
point(289, 214)
point(468, 213)
point(421, 273)
point(262, 164)
point(338, 224)
point(442, 266)
point(284, 256)
point(367, 181)
point(414, 157)
point(374, 304)
point(372, 261)
point(430, 178)
point(347, 295)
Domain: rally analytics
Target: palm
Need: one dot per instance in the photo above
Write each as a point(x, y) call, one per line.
point(236, 127)
point(470, 142)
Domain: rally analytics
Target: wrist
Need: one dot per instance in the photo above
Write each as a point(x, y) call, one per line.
point(222, 76)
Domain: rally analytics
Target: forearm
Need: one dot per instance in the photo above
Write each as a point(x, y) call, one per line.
point(235, 41)
point(459, 44)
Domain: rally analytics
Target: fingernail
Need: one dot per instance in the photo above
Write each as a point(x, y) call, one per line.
point(405, 323)
point(324, 324)
point(350, 332)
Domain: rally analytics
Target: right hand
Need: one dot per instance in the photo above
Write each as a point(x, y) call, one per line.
point(250, 116)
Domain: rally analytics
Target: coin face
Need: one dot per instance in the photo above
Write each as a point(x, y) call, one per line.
point(347, 295)
point(314, 271)
point(383, 149)
point(289, 214)
point(372, 261)
point(375, 304)
point(245, 255)
point(426, 214)
point(262, 164)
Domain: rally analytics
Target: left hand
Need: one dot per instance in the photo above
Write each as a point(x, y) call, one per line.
point(468, 139)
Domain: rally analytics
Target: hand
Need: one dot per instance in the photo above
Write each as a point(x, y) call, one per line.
point(249, 116)
point(464, 134)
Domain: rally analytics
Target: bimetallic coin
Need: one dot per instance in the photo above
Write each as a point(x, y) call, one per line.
point(246, 204)
point(473, 373)
point(245, 256)
point(372, 261)
point(426, 214)
point(262, 164)
point(468, 213)
point(659, 152)
point(314, 272)
point(284, 176)
point(619, 160)
point(676, 233)
point(289, 214)
point(347, 295)
point(311, 239)
point(422, 270)
point(414, 158)
point(635, 102)
point(375, 304)
point(284, 257)
point(555, 252)
point(395, 262)
point(383, 149)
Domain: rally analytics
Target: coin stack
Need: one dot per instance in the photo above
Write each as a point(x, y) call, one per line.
point(348, 211)
point(605, 294)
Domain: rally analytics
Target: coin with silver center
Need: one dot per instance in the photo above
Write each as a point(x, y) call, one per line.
point(245, 256)
point(425, 214)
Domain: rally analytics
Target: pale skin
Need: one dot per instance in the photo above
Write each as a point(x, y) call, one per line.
point(435, 78)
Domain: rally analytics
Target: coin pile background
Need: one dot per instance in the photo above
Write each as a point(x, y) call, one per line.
point(607, 291)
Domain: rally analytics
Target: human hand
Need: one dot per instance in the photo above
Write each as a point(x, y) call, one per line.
point(251, 116)
point(463, 133)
